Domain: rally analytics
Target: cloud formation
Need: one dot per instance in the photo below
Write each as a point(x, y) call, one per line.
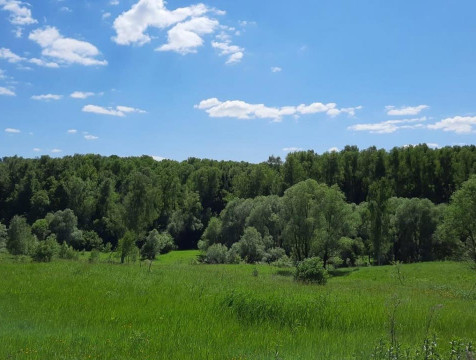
point(65, 50)
point(20, 14)
point(47, 97)
point(6, 92)
point(405, 110)
point(119, 111)
point(91, 137)
point(11, 57)
point(389, 126)
point(241, 110)
point(12, 131)
point(276, 69)
point(81, 94)
point(292, 149)
point(186, 27)
point(457, 124)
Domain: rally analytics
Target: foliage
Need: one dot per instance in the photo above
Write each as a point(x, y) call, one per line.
point(251, 246)
point(3, 237)
point(67, 252)
point(311, 270)
point(46, 250)
point(20, 241)
point(127, 245)
point(216, 254)
point(40, 229)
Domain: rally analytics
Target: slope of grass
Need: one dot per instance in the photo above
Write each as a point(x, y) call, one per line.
point(180, 310)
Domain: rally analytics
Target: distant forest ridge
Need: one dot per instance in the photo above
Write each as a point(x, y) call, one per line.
point(108, 193)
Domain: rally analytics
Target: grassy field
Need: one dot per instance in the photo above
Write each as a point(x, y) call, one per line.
point(180, 310)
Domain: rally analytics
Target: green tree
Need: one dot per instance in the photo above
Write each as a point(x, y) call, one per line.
point(151, 248)
point(40, 229)
point(20, 240)
point(379, 193)
point(63, 223)
point(3, 237)
point(127, 245)
point(459, 219)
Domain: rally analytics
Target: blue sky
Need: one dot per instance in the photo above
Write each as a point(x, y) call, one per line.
point(234, 80)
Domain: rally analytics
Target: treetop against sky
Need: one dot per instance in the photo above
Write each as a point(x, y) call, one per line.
point(233, 80)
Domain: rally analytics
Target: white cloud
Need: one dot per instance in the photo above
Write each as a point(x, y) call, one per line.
point(66, 9)
point(12, 131)
point(185, 37)
point(235, 53)
point(114, 2)
point(81, 94)
point(389, 126)
point(65, 50)
point(91, 137)
point(242, 110)
point(457, 124)
point(56, 151)
point(292, 149)
point(11, 57)
point(47, 97)
point(72, 131)
point(186, 28)
point(120, 111)
point(36, 149)
point(131, 25)
point(276, 69)
point(405, 111)
point(20, 14)
point(6, 92)
point(333, 149)
point(433, 145)
point(157, 158)
point(106, 15)
point(44, 63)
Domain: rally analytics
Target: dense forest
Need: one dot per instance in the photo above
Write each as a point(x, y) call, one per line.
point(340, 206)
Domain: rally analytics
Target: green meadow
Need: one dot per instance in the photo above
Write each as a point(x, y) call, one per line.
point(183, 310)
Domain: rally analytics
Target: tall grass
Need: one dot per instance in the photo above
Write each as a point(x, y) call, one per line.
point(81, 310)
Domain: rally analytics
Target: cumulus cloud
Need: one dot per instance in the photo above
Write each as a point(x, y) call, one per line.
point(36, 149)
point(11, 57)
point(81, 94)
point(389, 126)
point(185, 37)
point(6, 92)
point(120, 111)
point(56, 151)
point(65, 50)
point(157, 158)
point(20, 14)
point(72, 131)
point(234, 53)
point(114, 2)
point(91, 137)
point(242, 110)
point(186, 27)
point(276, 69)
point(405, 110)
point(12, 131)
point(457, 124)
point(333, 149)
point(47, 97)
point(292, 149)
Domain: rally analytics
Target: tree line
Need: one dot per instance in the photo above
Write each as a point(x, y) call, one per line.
point(387, 205)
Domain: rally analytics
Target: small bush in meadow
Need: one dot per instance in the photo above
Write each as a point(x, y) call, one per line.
point(216, 254)
point(67, 252)
point(46, 250)
point(94, 256)
point(311, 271)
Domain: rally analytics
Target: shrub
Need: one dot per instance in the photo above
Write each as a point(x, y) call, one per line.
point(251, 247)
point(166, 243)
point(216, 254)
point(283, 262)
point(46, 250)
point(311, 270)
point(274, 254)
point(20, 241)
point(94, 256)
point(67, 252)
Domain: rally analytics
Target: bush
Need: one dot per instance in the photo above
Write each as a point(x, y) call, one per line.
point(46, 250)
point(94, 256)
point(274, 254)
point(216, 254)
point(283, 262)
point(251, 247)
point(311, 271)
point(166, 243)
point(20, 241)
point(67, 252)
